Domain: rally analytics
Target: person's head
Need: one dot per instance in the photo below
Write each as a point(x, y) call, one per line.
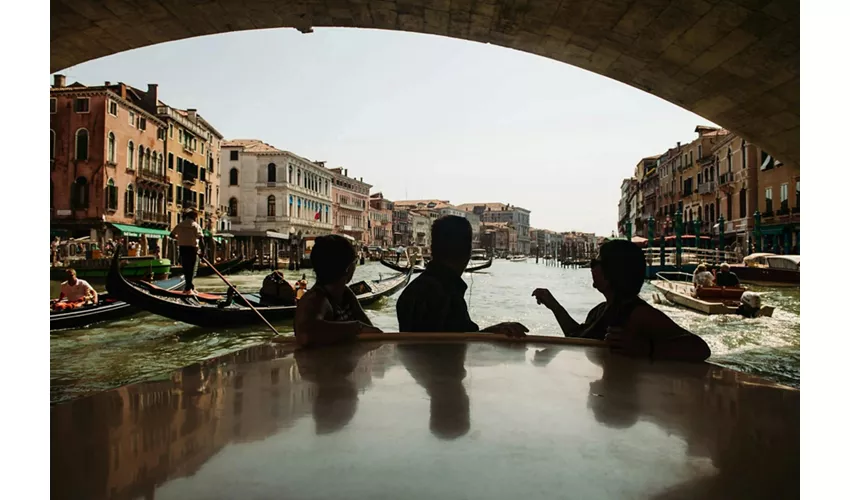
point(191, 215)
point(724, 268)
point(701, 268)
point(71, 274)
point(451, 241)
point(619, 269)
point(333, 259)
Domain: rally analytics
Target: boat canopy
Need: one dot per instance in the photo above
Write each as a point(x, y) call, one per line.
point(790, 262)
point(128, 230)
point(261, 234)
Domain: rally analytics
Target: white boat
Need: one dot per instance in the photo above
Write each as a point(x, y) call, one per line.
point(678, 288)
point(518, 258)
point(479, 254)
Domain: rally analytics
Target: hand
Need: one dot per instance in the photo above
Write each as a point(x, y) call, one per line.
point(510, 328)
point(364, 328)
point(627, 343)
point(545, 297)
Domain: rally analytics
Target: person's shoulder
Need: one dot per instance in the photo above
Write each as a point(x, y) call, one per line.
point(83, 282)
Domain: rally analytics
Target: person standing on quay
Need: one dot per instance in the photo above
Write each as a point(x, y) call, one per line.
point(190, 239)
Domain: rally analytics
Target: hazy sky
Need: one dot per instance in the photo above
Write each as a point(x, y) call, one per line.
point(419, 116)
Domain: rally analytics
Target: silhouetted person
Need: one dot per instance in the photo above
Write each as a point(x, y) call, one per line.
point(439, 369)
point(434, 301)
point(725, 277)
point(625, 321)
point(190, 239)
point(329, 312)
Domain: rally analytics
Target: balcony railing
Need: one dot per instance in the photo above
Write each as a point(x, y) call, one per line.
point(351, 206)
point(726, 178)
point(707, 187)
point(152, 175)
point(156, 217)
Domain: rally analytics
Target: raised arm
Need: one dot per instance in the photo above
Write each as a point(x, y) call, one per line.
point(569, 326)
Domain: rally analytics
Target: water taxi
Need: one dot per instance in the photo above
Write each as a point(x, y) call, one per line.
point(768, 269)
point(678, 288)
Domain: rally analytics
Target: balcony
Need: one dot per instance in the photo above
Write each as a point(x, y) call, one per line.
point(351, 206)
point(152, 175)
point(707, 187)
point(153, 217)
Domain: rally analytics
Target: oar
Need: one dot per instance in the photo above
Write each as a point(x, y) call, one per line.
point(240, 295)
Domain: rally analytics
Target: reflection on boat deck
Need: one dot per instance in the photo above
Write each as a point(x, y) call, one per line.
point(505, 420)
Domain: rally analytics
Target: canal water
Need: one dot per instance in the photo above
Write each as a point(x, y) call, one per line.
point(144, 346)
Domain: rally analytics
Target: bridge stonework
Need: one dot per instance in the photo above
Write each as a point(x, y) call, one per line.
point(735, 62)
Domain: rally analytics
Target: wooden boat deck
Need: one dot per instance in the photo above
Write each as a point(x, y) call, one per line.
point(413, 418)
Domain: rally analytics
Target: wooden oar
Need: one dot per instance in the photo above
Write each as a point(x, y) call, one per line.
point(240, 295)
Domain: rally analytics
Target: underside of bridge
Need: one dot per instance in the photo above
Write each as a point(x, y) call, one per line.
point(735, 62)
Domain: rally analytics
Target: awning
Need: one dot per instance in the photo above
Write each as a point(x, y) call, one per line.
point(261, 234)
point(128, 230)
point(777, 229)
point(207, 233)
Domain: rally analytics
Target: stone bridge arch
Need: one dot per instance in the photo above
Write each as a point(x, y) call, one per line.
point(735, 62)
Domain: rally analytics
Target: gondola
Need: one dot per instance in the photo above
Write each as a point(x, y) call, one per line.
point(419, 269)
point(225, 267)
point(203, 312)
point(245, 265)
point(108, 308)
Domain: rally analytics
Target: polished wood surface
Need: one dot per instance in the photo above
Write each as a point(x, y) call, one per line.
point(414, 419)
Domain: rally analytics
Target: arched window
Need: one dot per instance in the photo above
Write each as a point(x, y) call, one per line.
point(141, 163)
point(147, 159)
point(129, 200)
point(131, 153)
point(272, 172)
point(80, 193)
point(234, 206)
point(82, 145)
point(729, 160)
point(111, 195)
point(326, 186)
point(160, 168)
point(110, 148)
point(742, 202)
point(234, 177)
point(699, 213)
point(290, 174)
point(52, 144)
point(711, 213)
point(299, 176)
point(270, 206)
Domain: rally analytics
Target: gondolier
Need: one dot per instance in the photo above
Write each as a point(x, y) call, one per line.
point(190, 239)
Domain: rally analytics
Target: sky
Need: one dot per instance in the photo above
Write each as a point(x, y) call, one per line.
point(419, 116)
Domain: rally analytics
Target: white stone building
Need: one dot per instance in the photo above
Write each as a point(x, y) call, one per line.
point(268, 189)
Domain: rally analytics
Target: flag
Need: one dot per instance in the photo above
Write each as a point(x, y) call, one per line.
point(318, 215)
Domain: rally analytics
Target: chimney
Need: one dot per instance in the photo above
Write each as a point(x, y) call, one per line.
point(152, 97)
point(123, 88)
point(58, 81)
point(345, 172)
point(678, 145)
point(106, 84)
point(193, 113)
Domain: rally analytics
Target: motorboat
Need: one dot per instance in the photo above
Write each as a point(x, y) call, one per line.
point(678, 288)
point(768, 269)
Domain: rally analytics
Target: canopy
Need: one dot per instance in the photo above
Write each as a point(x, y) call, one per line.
point(261, 234)
point(128, 230)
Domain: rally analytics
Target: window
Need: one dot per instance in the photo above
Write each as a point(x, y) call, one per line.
point(202, 148)
point(768, 201)
point(179, 164)
point(170, 161)
point(180, 136)
point(326, 186)
point(129, 200)
point(233, 207)
point(132, 118)
point(131, 153)
point(52, 144)
point(270, 206)
point(742, 203)
point(272, 172)
point(81, 105)
point(729, 207)
point(783, 196)
point(234, 177)
point(299, 176)
point(797, 199)
point(171, 131)
point(159, 167)
point(82, 145)
point(111, 195)
point(180, 196)
point(699, 151)
point(141, 163)
point(201, 201)
point(80, 193)
point(110, 148)
point(160, 133)
point(234, 155)
point(143, 123)
point(170, 195)
point(52, 105)
point(112, 107)
point(290, 175)
point(766, 161)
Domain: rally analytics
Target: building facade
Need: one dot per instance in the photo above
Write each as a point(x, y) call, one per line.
point(380, 221)
point(518, 218)
point(351, 205)
point(420, 229)
point(104, 146)
point(402, 227)
point(269, 189)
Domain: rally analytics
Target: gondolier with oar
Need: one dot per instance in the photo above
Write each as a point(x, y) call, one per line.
point(190, 239)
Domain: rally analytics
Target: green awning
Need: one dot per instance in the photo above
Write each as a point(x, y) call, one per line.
point(207, 233)
point(778, 229)
point(128, 230)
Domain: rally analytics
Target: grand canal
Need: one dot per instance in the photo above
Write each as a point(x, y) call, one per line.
point(146, 346)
